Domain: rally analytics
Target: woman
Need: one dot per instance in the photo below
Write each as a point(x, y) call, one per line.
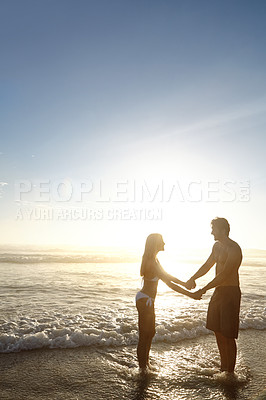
point(151, 271)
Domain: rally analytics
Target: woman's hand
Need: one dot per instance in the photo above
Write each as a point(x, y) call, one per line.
point(197, 295)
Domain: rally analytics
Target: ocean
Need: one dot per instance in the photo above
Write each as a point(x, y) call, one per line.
point(78, 312)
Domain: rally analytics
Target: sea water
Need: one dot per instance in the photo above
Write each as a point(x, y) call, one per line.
point(61, 302)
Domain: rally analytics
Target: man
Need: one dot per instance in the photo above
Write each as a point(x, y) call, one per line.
point(223, 311)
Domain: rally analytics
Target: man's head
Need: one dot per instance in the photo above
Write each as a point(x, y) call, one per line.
point(220, 228)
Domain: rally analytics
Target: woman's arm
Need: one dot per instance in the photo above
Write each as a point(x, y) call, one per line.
point(175, 280)
point(178, 289)
point(164, 276)
point(168, 279)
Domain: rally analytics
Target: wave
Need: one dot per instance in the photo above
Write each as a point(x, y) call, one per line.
point(46, 334)
point(36, 258)
point(91, 337)
point(62, 258)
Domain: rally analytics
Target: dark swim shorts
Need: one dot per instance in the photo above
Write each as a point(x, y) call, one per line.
point(223, 311)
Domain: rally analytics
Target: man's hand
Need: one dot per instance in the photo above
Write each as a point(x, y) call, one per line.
point(190, 284)
point(197, 295)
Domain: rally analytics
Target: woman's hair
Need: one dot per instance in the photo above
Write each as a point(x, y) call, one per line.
point(151, 249)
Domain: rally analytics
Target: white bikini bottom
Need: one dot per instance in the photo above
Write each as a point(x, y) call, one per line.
point(141, 295)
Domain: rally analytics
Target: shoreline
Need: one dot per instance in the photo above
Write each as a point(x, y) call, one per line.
point(97, 373)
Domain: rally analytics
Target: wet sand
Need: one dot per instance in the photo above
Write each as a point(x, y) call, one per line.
point(83, 373)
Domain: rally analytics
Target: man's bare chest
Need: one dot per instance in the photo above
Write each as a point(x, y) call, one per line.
point(221, 255)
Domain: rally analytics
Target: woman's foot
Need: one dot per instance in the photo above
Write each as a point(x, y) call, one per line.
point(151, 367)
point(143, 370)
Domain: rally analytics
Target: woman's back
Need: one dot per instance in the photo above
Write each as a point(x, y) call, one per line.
point(150, 279)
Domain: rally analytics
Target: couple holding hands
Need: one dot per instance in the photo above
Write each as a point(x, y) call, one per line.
point(224, 306)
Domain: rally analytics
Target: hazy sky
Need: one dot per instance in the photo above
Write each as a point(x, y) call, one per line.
point(119, 96)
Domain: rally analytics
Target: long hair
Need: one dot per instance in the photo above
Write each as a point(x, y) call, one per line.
point(150, 251)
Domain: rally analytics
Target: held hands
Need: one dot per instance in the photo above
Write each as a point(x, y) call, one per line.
point(190, 284)
point(197, 295)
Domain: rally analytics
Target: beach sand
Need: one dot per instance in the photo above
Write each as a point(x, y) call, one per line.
point(96, 374)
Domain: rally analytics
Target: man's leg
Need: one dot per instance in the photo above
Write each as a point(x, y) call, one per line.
point(221, 343)
point(227, 348)
point(231, 354)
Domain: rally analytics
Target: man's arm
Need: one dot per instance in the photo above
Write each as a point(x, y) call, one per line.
point(190, 284)
point(204, 268)
point(233, 261)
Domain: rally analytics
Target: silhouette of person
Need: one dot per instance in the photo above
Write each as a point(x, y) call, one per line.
point(151, 271)
point(224, 306)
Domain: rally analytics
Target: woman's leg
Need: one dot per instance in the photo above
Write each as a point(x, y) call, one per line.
point(151, 334)
point(142, 350)
point(146, 331)
point(148, 349)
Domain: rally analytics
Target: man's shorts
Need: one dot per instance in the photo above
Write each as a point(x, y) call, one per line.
point(223, 311)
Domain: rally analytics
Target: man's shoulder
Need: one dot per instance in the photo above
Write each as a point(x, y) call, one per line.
point(217, 246)
point(234, 250)
point(234, 246)
point(231, 247)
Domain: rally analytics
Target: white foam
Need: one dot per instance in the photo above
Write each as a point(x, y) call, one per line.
point(253, 318)
point(65, 333)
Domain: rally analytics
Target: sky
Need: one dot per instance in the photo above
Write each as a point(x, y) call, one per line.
point(122, 118)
